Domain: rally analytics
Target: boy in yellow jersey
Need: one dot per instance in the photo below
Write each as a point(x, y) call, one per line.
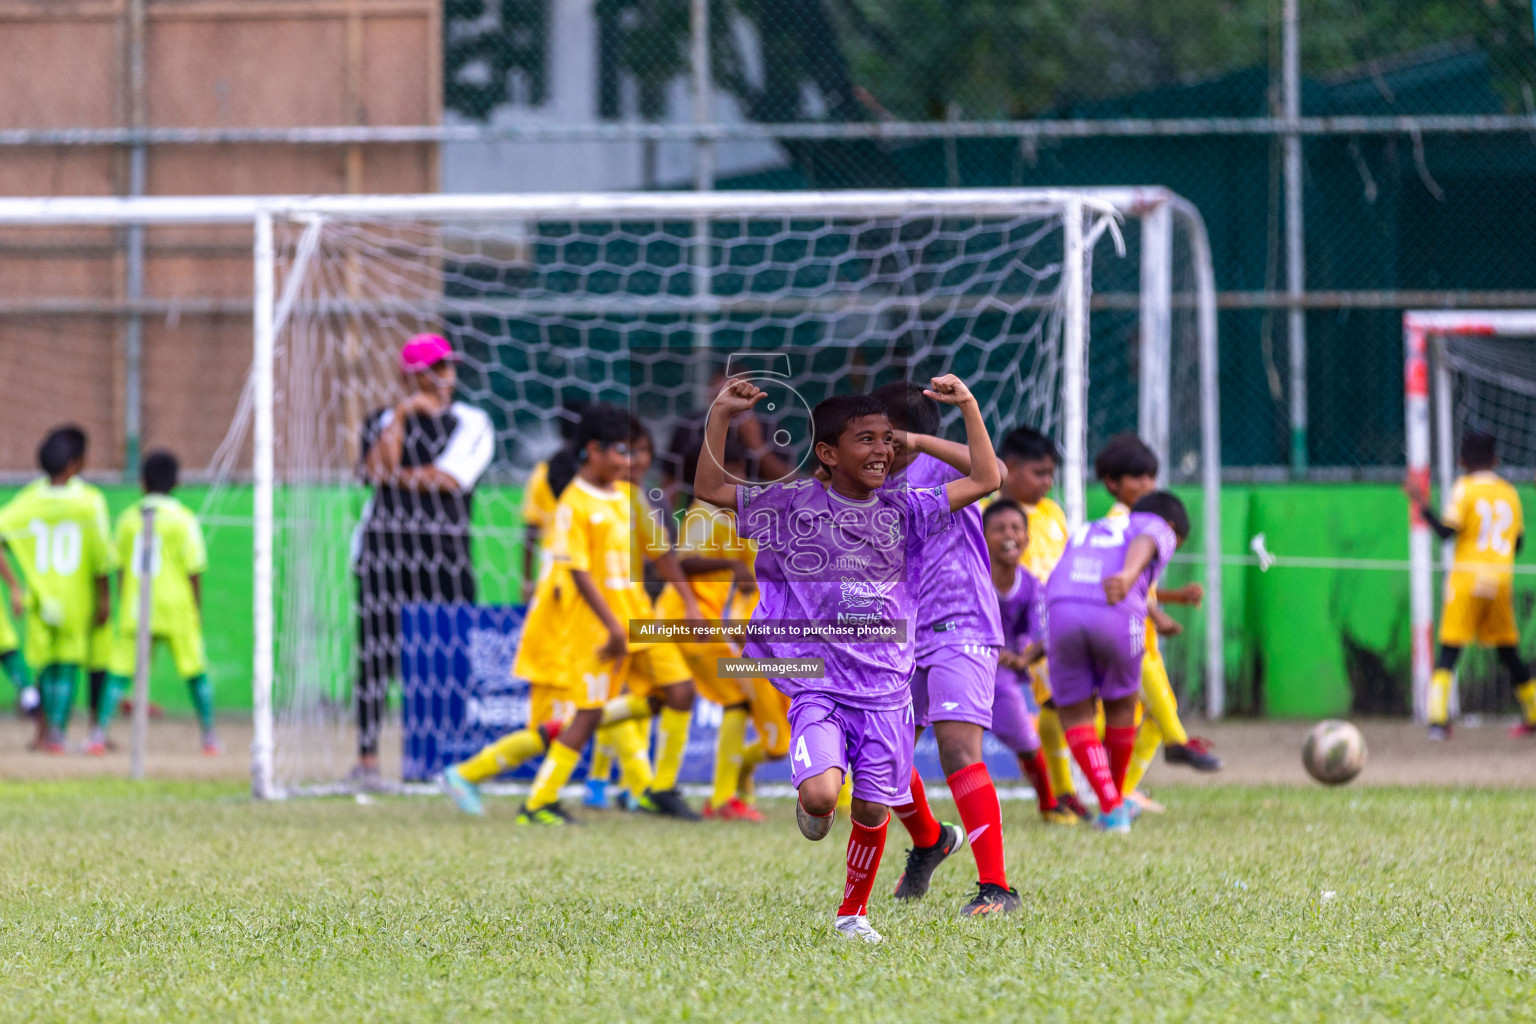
point(176, 598)
point(538, 513)
point(718, 563)
point(1032, 458)
point(658, 673)
point(580, 616)
point(540, 493)
point(1128, 469)
point(1484, 516)
point(56, 530)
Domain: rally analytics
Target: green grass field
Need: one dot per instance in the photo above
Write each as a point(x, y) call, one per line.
point(182, 901)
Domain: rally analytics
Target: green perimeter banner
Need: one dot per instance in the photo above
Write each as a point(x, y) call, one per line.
point(1301, 641)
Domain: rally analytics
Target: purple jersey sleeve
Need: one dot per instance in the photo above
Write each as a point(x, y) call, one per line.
point(1162, 535)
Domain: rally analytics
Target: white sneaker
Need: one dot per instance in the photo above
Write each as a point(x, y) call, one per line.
point(856, 926)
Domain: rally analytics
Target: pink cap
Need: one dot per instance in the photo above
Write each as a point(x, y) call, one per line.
point(425, 351)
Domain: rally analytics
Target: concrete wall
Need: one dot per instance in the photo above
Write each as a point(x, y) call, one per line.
point(207, 64)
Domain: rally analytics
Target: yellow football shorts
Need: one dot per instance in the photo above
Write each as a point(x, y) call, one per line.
point(9, 639)
point(547, 701)
point(1479, 608)
point(69, 643)
point(186, 651)
point(653, 668)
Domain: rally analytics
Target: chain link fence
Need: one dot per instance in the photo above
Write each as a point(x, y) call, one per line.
point(1416, 122)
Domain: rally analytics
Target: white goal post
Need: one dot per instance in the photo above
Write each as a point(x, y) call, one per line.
point(287, 232)
point(1460, 368)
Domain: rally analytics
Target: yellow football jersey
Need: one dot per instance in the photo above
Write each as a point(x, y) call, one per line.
point(1484, 510)
point(1047, 539)
point(538, 500)
point(709, 532)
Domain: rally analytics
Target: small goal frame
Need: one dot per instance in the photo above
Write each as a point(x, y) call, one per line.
point(1432, 457)
point(1087, 215)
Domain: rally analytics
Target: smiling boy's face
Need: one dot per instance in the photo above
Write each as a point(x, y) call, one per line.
point(1007, 535)
point(861, 459)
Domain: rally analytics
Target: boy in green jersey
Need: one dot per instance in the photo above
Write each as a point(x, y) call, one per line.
point(12, 663)
point(178, 562)
point(56, 530)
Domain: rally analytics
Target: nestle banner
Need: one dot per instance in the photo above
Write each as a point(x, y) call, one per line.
point(460, 694)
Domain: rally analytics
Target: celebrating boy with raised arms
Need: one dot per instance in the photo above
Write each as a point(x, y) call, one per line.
point(834, 558)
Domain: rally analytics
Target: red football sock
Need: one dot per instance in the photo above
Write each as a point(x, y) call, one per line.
point(1119, 742)
point(1090, 756)
point(1039, 778)
point(918, 816)
point(983, 820)
point(865, 845)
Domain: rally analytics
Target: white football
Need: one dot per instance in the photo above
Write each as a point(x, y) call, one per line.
point(1334, 752)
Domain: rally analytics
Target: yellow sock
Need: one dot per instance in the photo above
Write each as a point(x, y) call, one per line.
point(845, 795)
point(1162, 707)
point(554, 773)
point(1148, 738)
point(508, 752)
point(728, 759)
point(752, 756)
point(602, 762)
point(671, 745)
point(630, 750)
point(1058, 759)
point(1440, 697)
point(624, 707)
point(1525, 693)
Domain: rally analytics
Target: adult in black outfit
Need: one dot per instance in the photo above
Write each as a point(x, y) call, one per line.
point(423, 457)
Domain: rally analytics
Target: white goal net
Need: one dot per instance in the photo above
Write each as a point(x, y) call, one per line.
point(1466, 370)
point(553, 301)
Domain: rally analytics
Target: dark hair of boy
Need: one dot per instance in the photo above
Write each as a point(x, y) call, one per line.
point(638, 432)
point(1166, 506)
point(908, 408)
point(1125, 455)
point(161, 472)
point(604, 424)
point(62, 446)
point(1478, 450)
point(1027, 444)
point(1001, 505)
point(832, 417)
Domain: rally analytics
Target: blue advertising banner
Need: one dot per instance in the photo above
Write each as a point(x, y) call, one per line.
point(460, 694)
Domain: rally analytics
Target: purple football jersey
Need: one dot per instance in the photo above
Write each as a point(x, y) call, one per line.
point(1097, 551)
point(1022, 611)
point(824, 558)
point(954, 604)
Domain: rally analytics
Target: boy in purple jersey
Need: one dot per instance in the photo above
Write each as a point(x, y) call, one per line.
point(1021, 604)
point(1096, 607)
point(832, 559)
point(957, 636)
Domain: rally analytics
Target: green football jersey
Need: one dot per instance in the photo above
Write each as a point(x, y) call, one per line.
point(179, 555)
point(59, 537)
